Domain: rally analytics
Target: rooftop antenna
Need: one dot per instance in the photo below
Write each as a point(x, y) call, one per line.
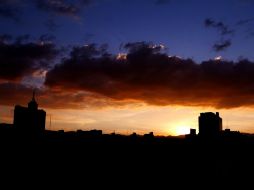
point(49, 127)
point(50, 121)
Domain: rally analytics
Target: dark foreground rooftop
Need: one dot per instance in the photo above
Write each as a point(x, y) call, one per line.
point(91, 157)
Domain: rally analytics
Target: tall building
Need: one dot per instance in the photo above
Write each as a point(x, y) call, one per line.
point(29, 119)
point(210, 124)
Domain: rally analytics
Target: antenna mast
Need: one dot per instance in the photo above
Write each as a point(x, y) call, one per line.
point(50, 121)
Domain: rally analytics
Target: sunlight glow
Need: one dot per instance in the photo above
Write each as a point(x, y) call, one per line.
point(121, 56)
point(182, 130)
point(174, 56)
point(160, 46)
point(218, 58)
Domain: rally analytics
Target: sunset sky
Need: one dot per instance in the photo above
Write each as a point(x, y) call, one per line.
point(129, 66)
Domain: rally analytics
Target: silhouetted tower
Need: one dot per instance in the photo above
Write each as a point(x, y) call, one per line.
point(29, 119)
point(210, 124)
point(32, 105)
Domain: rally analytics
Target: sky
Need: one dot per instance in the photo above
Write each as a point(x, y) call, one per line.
point(129, 66)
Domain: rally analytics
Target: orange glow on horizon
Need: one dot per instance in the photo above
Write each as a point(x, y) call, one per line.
point(164, 121)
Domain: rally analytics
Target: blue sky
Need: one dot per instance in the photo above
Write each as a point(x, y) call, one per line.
point(179, 25)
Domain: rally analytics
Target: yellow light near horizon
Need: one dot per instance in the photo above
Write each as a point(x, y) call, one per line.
point(182, 130)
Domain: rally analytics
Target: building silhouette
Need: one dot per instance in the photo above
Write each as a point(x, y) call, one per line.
point(193, 132)
point(210, 124)
point(29, 119)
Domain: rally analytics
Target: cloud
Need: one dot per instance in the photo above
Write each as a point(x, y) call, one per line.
point(245, 21)
point(4, 38)
point(58, 7)
point(12, 93)
point(222, 45)
point(45, 38)
point(19, 94)
point(149, 76)
point(13, 9)
point(21, 57)
point(62, 7)
point(247, 24)
point(90, 77)
point(22, 38)
point(10, 9)
point(220, 26)
point(223, 31)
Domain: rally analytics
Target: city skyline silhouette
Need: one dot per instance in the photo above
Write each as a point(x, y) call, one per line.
point(112, 93)
point(32, 120)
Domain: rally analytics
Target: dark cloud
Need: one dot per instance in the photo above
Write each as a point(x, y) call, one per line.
point(248, 25)
point(142, 48)
point(222, 45)
point(46, 38)
point(13, 9)
point(20, 57)
point(16, 93)
point(22, 39)
point(149, 76)
point(223, 30)
point(220, 26)
point(245, 21)
point(89, 76)
point(62, 7)
point(10, 9)
point(58, 6)
point(4, 38)
point(12, 93)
